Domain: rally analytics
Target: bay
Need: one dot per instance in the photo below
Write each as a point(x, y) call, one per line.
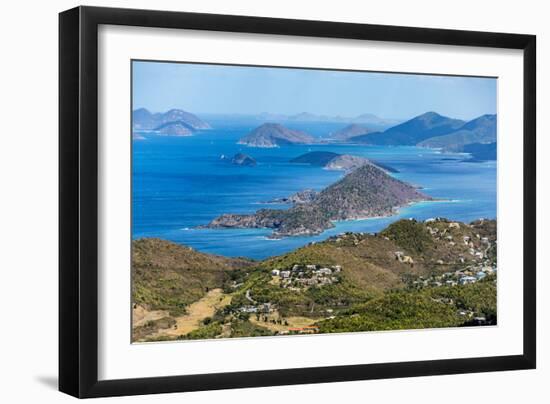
point(179, 183)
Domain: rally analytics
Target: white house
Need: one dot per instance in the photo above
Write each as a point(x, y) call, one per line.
point(480, 275)
point(466, 280)
point(325, 271)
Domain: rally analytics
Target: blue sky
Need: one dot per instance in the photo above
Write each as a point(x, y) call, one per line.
point(251, 90)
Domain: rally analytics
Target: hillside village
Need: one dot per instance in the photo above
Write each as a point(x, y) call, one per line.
point(436, 273)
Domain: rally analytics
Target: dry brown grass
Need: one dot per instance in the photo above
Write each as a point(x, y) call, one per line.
point(140, 315)
point(293, 322)
point(196, 313)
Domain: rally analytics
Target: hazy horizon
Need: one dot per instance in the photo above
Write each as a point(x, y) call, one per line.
point(246, 90)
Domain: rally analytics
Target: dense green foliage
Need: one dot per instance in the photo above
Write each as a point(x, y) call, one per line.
point(242, 328)
point(408, 234)
point(208, 331)
point(411, 309)
point(480, 298)
point(408, 276)
point(168, 276)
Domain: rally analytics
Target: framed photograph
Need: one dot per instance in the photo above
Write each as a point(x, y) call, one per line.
point(251, 201)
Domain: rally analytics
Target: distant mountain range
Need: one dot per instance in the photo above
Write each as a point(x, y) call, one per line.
point(275, 135)
point(413, 131)
point(436, 131)
point(350, 131)
point(367, 191)
point(367, 119)
point(175, 122)
point(430, 130)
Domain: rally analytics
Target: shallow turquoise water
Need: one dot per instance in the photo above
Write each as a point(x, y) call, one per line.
point(180, 183)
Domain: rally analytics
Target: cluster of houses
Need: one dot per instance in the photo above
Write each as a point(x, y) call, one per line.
point(303, 276)
point(470, 274)
point(477, 247)
point(262, 308)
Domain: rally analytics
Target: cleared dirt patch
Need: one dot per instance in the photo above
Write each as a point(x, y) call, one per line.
point(140, 315)
point(196, 312)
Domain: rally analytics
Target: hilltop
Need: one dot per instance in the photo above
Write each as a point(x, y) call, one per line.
point(367, 191)
point(275, 135)
point(413, 131)
point(436, 273)
point(154, 261)
point(480, 130)
point(143, 119)
point(436, 131)
point(175, 129)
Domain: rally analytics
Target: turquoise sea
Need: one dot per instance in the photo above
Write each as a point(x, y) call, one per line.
point(180, 183)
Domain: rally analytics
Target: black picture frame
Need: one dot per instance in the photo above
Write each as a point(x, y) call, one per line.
point(78, 201)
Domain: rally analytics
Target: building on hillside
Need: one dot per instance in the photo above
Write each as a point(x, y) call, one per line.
point(466, 280)
point(325, 271)
point(480, 275)
point(284, 274)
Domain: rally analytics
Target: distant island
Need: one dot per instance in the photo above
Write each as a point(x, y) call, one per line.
point(368, 119)
point(241, 159)
point(365, 192)
point(335, 161)
point(350, 131)
point(275, 135)
point(430, 130)
point(433, 130)
point(175, 122)
point(413, 131)
point(480, 130)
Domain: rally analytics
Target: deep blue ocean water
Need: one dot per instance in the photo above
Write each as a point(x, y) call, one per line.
point(180, 183)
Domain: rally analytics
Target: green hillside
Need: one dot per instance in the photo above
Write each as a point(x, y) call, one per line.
point(436, 273)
